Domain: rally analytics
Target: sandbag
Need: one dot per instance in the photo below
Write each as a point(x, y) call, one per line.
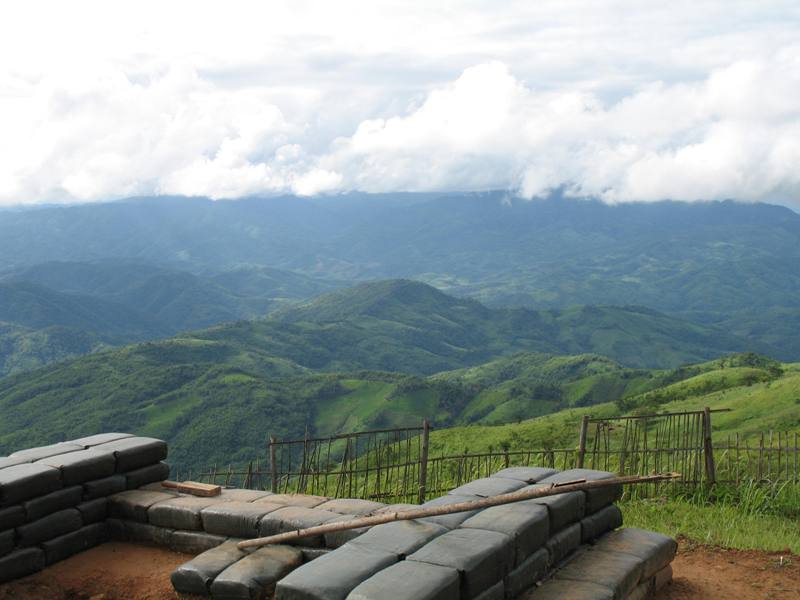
point(604, 520)
point(524, 576)
point(410, 580)
point(7, 461)
point(642, 591)
point(195, 576)
point(150, 534)
point(36, 508)
point(21, 563)
point(100, 438)
point(194, 542)
point(310, 554)
point(84, 465)
point(254, 577)
point(661, 578)
point(400, 537)
point(291, 518)
point(302, 500)
point(22, 482)
point(337, 539)
point(527, 524)
point(559, 589)
point(11, 517)
point(617, 571)
point(525, 474)
point(238, 519)
point(149, 474)
point(182, 512)
point(481, 557)
point(393, 508)
point(595, 498)
point(34, 454)
point(562, 509)
point(351, 506)
point(133, 504)
point(240, 495)
point(49, 527)
point(496, 592)
point(487, 487)
point(654, 549)
point(333, 576)
point(135, 452)
point(65, 546)
point(563, 542)
point(453, 520)
point(93, 511)
point(101, 488)
point(7, 541)
point(116, 530)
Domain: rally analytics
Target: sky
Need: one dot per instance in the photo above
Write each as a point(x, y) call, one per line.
point(620, 100)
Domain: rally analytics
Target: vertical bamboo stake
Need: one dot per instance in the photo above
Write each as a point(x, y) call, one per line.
point(582, 440)
point(708, 447)
point(423, 461)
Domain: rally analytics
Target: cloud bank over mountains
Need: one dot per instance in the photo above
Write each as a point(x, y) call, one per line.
point(623, 102)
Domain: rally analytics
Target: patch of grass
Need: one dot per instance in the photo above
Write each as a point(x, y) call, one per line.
point(719, 524)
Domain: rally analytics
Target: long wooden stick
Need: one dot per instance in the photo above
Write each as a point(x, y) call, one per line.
point(447, 509)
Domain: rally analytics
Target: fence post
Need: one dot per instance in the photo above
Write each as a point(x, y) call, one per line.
point(273, 464)
point(708, 448)
point(582, 440)
point(423, 461)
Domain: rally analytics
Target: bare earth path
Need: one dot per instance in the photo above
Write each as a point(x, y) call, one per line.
point(119, 571)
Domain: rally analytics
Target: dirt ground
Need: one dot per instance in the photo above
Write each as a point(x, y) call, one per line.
point(119, 571)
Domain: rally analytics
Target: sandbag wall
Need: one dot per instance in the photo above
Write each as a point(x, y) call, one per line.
point(54, 499)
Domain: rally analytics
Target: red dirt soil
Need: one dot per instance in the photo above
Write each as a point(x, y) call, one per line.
point(118, 571)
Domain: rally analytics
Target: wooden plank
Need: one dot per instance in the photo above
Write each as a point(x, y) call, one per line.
point(195, 488)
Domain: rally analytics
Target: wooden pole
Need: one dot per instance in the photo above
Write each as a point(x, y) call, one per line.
point(582, 440)
point(447, 509)
point(423, 461)
point(273, 464)
point(708, 448)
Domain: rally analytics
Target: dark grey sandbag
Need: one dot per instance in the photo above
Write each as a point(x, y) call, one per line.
point(133, 504)
point(67, 545)
point(333, 576)
point(617, 571)
point(34, 454)
point(195, 576)
point(496, 592)
point(182, 512)
point(100, 438)
point(150, 534)
point(36, 508)
point(527, 524)
point(604, 520)
point(400, 537)
point(310, 554)
point(409, 580)
point(238, 519)
point(662, 578)
point(640, 592)
point(7, 541)
point(149, 474)
point(84, 465)
point(481, 557)
point(254, 577)
point(528, 573)
point(194, 542)
point(525, 474)
point(561, 589)
point(291, 518)
point(351, 506)
point(49, 527)
point(563, 542)
point(11, 517)
point(487, 487)
point(596, 498)
point(93, 511)
point(303, 500)
point(21, 563)
point(654, 549)
point(100, 488)
point(453, 520)
point(22, 482)
point(116, 530)
point(562, 509)
point(135, 452)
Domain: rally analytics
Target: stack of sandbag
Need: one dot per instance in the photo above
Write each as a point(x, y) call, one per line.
point(54, 499)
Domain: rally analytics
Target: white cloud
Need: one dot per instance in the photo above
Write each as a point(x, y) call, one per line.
point(622, 100)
